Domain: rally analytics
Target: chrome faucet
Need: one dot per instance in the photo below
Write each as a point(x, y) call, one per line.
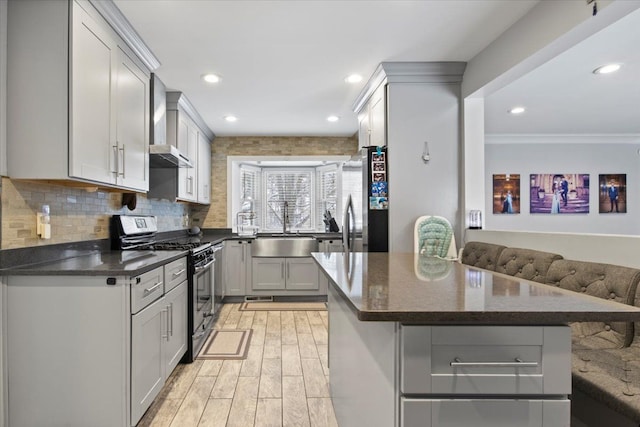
point(285, 217)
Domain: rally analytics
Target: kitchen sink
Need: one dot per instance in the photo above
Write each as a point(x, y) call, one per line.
point(283, 246)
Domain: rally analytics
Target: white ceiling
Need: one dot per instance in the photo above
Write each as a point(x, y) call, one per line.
point(563, 96)
point(283, 63)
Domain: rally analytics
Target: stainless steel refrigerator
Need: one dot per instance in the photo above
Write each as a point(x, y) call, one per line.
point(371, 216)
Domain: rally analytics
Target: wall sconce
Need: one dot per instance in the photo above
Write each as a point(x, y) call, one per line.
point(425, 153)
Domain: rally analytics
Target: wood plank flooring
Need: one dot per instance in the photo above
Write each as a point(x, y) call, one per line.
point(283, 382)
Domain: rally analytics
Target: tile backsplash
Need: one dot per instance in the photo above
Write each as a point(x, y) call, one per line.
point(76, 214)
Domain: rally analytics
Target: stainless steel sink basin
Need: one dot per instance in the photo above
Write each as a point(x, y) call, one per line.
point(285, 246)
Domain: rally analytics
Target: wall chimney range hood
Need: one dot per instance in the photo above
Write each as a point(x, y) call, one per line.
point(166, 156)
point(161, 154)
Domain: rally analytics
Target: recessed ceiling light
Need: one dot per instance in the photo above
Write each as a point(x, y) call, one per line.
point(517, 110)
point(333, 118)
point(211, 78)
point(353, 78)
point(231, 118)
point(606, 69)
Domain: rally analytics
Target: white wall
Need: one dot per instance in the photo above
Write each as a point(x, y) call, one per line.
point(594, 155)
point(3, 171)
point(419, 112)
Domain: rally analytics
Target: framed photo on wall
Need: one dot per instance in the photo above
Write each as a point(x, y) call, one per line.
point(506, 194)
point(559, 193)
point(612, 196)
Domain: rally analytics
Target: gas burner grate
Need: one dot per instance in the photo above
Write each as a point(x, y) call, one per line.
point(177, 246)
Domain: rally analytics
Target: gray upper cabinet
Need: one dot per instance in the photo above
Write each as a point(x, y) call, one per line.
point(188, 132)
point(372, 128)
point(85, 117)
point(204, 170)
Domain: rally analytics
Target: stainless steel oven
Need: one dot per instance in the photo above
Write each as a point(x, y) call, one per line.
point(202, 298)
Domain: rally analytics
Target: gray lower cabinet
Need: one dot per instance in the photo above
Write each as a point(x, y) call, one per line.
point(158, 342)
point(285, 274)
point(237, 267)
point(99, 349)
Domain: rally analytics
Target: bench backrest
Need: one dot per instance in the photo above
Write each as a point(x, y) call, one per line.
point(607, 281)
point(526, 263)
point(481, 255)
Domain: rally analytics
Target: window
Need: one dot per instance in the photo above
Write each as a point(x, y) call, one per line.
point(295, 187)
point(310, 190)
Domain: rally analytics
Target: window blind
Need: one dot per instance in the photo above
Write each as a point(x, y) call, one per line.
point(296, 188)
point(327, 200)
point(249, 191)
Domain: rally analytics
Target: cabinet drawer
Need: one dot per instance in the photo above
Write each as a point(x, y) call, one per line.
point(175, 273)
point(484, 413)
point(496, 360)
point(146, 288)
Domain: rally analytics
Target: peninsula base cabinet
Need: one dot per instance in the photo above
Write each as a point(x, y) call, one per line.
point(286, 277)
point(92, 355)
point(392, 374)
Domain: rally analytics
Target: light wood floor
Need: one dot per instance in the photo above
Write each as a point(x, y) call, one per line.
point(282, 382)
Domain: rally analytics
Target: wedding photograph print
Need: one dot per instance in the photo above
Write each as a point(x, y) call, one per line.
point(506, 193)
point(612, 197)
point(559, 193)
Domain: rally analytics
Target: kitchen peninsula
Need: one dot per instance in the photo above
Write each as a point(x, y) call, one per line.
point(417, 341)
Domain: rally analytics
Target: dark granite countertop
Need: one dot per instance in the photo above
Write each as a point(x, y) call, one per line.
point(405, 288)
point(111, 263)
point(95, 258)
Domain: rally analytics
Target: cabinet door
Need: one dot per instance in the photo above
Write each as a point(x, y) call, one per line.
point(268, 274)
point(204, 170)
point(148, 331)
point(377, 117)
point(132, 134)
point(235, 260)
point(301, 274)
point(92, 145)
point(187, 189)
point(176, 344)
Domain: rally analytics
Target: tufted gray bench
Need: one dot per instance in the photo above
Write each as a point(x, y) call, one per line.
point(605, 356)
point(612, 375)
point(481, 255)
point(526, 263)
point(607, 281)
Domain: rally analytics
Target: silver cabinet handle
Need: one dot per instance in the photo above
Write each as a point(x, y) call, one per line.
point(169, 320)
point(282, 270)
point(123, 166)
point(164, 336)
point(177, 273)
point(517, 363)
point(288, 270)
point(117, 159)
point(151, 289)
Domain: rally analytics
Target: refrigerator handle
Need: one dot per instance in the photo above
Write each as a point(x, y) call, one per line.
point(348, 226)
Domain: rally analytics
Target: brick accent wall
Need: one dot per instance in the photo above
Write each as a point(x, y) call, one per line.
point(215, 215)
point(76, 215)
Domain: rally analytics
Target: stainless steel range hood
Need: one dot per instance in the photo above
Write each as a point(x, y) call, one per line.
point(166, 156)
point(162, 155)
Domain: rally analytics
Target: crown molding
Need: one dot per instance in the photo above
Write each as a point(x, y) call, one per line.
point(566, 138)
point(115, 18)
point(178, 101)
point(409, 72)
